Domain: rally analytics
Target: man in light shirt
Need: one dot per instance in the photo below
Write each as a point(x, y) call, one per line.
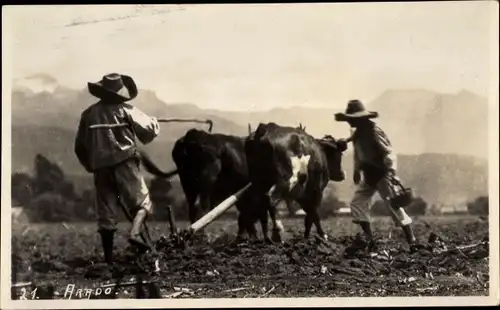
point(375, 160)
point(105, 145)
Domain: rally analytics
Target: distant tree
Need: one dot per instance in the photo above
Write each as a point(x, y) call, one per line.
point(479, 206)
point(66, 189)
point(23, 188)
point(48, 176)
point(417, 207)
point(49, 197)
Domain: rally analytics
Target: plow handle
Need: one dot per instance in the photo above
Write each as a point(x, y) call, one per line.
point(187, 120)
point(217, 211)
point(171, 220)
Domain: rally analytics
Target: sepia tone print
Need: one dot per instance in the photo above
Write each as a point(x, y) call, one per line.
point(183, 152)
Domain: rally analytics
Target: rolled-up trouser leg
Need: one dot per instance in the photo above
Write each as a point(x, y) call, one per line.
point(360, 208)
point(106, 200)
point(398, 215)
point(361, 203)
point(134, 195)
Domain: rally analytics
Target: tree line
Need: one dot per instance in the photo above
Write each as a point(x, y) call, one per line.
point(49, 196)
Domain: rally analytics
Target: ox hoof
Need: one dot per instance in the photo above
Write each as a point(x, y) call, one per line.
point(276, 237)
point(268, 240)
point(240, 239)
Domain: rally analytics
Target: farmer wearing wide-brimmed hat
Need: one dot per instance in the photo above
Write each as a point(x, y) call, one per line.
point(375, 160)
point(105, 145)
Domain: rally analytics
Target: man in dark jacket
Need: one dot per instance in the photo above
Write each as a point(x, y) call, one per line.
point(105, 146)
point(375, 160)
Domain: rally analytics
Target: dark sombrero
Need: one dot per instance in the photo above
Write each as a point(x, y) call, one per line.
point(114, 86)
point(355, 110)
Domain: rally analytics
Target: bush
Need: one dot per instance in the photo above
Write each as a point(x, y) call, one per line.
point(50, 207)
point(417, 207)
point(480, 206)
point(23, 188)
point(49, 197)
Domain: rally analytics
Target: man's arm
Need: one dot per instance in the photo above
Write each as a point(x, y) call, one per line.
point(146, 128)
point(390, 160)
point(80, 148)
point(357, 170)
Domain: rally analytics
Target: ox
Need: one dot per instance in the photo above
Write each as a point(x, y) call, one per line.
point(212, 167)
point(288, 163)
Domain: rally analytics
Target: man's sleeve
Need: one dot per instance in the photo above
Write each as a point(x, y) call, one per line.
point(146, 128)
point(80, 148)
point(357, 165)
point(384, 143)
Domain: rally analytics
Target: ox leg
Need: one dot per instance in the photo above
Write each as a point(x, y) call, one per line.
point(308, 221)
point(316, 219)
point(193, 212)
point(251, 220)
point(204, 205)
point(276, 235)
point(252, 231)
point(242, 227)
point(311, 209)
point(309, 218)
point(265, 230)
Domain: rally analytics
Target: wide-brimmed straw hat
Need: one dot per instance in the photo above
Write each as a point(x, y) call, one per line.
point(355, 110)
point(114, 86)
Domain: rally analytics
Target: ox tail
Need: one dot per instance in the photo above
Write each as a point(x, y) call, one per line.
point(152, 168)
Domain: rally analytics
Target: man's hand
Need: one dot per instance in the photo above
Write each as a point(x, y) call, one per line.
point(390, 164)
point(357, 177)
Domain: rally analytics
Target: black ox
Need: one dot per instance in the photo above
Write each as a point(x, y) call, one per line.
point(211, 168)
point(288, 163)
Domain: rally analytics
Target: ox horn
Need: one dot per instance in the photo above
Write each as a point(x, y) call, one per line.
point(217, 211)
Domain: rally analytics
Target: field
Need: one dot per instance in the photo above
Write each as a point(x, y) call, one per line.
point(215, 266)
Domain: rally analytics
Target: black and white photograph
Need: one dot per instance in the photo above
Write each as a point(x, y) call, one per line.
point(244, 155)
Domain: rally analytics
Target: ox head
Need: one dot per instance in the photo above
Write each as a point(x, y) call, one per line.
point(333, 150)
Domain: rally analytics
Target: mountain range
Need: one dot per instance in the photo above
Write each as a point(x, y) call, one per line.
point(441, 139)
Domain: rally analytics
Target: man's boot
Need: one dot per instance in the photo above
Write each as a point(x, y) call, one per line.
point(411, 239)
point(361, 243)
point(371, 241)
point(367, 229)
point(107, 238)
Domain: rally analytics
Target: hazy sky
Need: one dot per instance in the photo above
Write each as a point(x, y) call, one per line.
point(261, 56)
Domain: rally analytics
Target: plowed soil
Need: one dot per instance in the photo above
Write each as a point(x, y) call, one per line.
point(54, 257)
